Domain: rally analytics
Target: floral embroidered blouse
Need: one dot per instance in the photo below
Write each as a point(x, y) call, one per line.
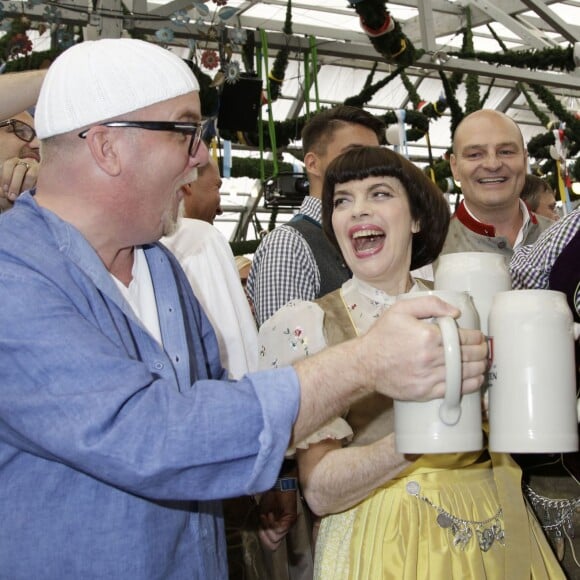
point(297, 331)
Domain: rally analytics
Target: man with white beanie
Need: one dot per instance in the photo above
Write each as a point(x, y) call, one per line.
point(119, 431)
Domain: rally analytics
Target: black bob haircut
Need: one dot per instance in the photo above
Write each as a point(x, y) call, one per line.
point(429, 207)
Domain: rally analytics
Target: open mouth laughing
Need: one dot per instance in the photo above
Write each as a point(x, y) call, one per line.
point(367, 240)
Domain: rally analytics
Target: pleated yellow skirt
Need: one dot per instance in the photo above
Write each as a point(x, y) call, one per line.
point(395, 534)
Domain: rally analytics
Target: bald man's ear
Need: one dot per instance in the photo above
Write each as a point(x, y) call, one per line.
point(103, 147)
point(453, 166)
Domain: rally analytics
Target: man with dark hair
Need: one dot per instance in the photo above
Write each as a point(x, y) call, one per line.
point(295, 261)
point(201, 198)
point(540, 197)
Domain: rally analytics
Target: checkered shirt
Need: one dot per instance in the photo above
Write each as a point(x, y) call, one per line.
point(531, 265)
point(284, 267)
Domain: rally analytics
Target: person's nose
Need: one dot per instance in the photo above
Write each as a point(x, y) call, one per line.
point(35, 143)
point(492, 161)
point(360, 208)
point(201, 156)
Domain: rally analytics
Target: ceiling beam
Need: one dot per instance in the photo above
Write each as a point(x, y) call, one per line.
point(553, 20)
point(516, 74)
point(347, 52)
point(529, 36)
point(508, 100)
point(448, 24)
point(427, 26)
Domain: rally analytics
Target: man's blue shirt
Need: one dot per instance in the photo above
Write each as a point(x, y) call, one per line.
point(114, 450)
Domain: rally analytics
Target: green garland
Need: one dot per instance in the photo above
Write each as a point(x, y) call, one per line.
point(249, 53)
point(250, 167)
point(472, 102)
point(369, 91)
point(457, 76)
point(546, 59)
point(454, 107)
point(556, 107)
point(393, 45)
point(540, 115)
point(290, 130)
point(411, 90)
point(278, 71)
point(418, 121)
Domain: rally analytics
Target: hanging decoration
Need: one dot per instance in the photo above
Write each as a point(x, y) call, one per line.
point(548, 148)
point(226, 13)
point(278, 70)
point(208, 94)
point(210, 59)
point(384, 32)
point(202, 9)
point(164, 35)
point(16, 48)
point(180, 18)
point(237, 36)
point(232, 72)
point(559, 152)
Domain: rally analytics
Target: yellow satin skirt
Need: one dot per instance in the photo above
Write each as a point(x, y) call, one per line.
point(395, 534)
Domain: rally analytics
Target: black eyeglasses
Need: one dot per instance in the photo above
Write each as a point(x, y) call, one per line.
point(21, 129)
point(193, 129)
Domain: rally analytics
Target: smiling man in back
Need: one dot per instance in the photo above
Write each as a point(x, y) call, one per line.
point(490, 161)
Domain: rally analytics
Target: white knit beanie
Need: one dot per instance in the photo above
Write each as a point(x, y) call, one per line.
point(98, 80)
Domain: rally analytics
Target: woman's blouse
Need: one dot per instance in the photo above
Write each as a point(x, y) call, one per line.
point(297, 331)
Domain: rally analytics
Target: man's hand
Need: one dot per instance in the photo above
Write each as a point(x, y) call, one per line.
point(278, 513)
point(403, 355)
point(17, 175)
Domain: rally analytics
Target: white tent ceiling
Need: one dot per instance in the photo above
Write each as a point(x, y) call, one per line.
point(345, 54)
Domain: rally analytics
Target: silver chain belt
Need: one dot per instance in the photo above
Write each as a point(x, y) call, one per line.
point(556, 515)
point(487, 531)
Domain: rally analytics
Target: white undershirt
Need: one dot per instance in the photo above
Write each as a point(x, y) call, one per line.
point(141, 296)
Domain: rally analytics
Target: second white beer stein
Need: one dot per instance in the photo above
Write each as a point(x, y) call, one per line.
point(532, 378)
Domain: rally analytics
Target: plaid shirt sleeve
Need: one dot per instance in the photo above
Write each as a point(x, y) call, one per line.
point(283, 269)
point(531, 265)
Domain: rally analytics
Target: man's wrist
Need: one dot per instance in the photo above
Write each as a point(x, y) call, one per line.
point(286, 484)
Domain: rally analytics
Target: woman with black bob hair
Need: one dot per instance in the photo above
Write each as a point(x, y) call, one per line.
point(426, 202)
point(385, 514)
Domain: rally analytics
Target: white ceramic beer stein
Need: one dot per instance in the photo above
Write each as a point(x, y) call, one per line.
point(451, 424)
point(482, 274)
point(532, 378)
